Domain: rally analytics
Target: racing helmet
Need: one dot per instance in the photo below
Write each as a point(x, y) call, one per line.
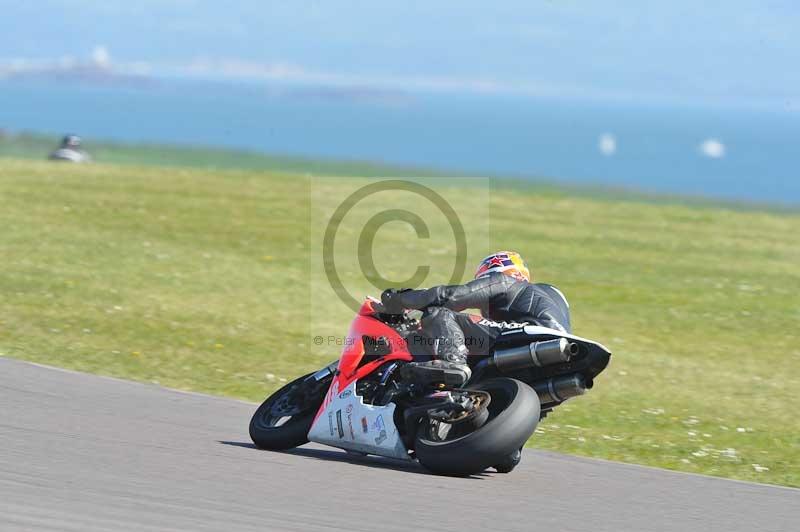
point(508, 263)
point(71, 141)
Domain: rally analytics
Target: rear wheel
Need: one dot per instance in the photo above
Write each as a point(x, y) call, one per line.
point(509, 463)
point(513, 414)
point(284, 419)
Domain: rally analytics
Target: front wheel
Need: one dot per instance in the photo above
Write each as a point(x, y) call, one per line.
point(285, 417)
point(513, 416)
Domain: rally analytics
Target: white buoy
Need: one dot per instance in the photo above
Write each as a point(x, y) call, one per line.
point(712, 148)
point(607, 144)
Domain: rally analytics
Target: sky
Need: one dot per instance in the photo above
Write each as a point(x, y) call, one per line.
point(736, 52)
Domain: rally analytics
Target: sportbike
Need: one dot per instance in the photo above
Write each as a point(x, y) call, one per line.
point(365, 403)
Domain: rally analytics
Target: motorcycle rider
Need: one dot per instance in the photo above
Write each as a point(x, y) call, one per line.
point(71, 150)
point(507, 299)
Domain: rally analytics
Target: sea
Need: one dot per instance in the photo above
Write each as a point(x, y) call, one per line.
point(718, 152)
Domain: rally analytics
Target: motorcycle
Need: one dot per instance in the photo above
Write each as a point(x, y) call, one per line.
point(365, 403)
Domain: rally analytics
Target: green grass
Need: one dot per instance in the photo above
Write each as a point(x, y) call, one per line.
point(37, 147)
point(199, 280)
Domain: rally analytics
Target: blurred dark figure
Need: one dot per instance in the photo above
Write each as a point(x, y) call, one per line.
point(71, 150)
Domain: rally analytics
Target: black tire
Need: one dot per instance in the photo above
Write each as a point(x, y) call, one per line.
point(291, 433)
point(509, 462)
point(513, 416)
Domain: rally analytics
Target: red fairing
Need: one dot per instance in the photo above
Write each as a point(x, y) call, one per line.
point(368, 308)
point(364, 324)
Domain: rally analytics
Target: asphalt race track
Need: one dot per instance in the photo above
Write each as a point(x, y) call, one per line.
point(86, 453)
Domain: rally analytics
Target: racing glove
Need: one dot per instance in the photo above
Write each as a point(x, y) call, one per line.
point(391, 302)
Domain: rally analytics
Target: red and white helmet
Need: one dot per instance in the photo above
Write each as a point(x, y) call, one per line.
point(508, 263)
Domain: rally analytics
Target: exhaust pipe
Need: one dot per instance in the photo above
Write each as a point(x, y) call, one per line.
point(559, 389)
point(538, 354)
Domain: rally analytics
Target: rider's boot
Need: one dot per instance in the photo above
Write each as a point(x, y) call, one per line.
point(450, 369)
point(437, 372)
point(447, 345)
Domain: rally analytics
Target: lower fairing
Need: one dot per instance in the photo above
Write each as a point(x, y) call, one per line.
point(348, 423)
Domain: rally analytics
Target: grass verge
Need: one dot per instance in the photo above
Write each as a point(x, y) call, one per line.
point(198, 280)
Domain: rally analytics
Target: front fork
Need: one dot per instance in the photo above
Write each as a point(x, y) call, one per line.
point(324, 373)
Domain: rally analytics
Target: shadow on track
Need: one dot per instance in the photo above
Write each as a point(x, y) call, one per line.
point(351, 458)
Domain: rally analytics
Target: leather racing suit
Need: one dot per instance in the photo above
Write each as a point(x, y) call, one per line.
point(505, 304)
